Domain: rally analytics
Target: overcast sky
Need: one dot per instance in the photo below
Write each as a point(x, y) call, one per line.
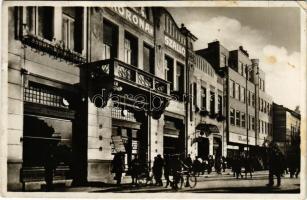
point(270, 34)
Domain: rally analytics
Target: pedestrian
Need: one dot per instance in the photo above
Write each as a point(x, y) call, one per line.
point(237, 165)
point(275, 164)
point(204, 166)
point(157, 169)
point(224, 163)
point(50, 164)
point(167, 169)
point(217, 165)
point(210, 164)
point(196, 166)
point(176, 170)
point(248, 166)
point(118, 167)
point(135, 169)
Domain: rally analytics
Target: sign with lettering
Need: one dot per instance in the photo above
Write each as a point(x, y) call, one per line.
point(135, 19)
point(174, 45)
point(242, 139)
point(118, 144)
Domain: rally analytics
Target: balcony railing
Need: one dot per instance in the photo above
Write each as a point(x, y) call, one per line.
point(129, 74)
point(58, 52)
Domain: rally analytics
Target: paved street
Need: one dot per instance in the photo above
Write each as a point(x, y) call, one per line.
point(214, 183)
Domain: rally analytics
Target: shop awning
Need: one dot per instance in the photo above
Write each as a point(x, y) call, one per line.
point(170, 130)
point(211, 128)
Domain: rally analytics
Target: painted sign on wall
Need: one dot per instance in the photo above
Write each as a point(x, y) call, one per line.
point(174, 45)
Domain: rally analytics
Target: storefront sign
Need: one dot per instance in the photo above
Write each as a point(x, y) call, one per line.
point(174, 45)
point(242, 139)
point(134, 18)
point(118, 144)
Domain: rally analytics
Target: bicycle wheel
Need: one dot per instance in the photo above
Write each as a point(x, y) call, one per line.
point(192, 181)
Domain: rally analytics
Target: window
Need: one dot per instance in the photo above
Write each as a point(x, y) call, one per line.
point(223, 60)
point(249, 98)
point(109, 49)
point(203, 98)
point(130, 49)
point(212, 102)
point(263, 86)
point(179, 77)
point(195, 94)
point(231, 88)
point(237, 91)
point(249, 122)
point(40, 21)
point(148, 59)
point(242, 94)
point(263, 124)
point(261, 106)
point(253, 123)
point(253, 100)
point(240, 68)
point(68, 30)
point(169, 70)
point(260, 126)
point(243, 119)
point(238, 117)
point(232, 116)
point(220, 104)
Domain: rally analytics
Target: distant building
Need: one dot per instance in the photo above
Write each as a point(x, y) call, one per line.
point(286, 125)
point(248, 107)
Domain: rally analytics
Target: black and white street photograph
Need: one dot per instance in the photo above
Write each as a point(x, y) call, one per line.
point(155, 97)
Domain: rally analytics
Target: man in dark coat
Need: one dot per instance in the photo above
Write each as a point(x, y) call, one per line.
point(118, 167)
point(135, 169)
point(167, 169)
point(157, 169)
point(275, 164)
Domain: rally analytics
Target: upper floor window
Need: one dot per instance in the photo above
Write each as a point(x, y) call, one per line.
point(238, 117)
point(109, 40)
point(148, 59)
point(243, 119)
point(223, 60)
point(203, 98)
point(220, 104)
point(169, 69)
point(242, 94)
point(131, 49)
point(68, 30)
point(212, 102)
point(232, 88)
point(40, 21)
point(232, 116)
point(179, 77)
point(195, 94)
point(237, 91)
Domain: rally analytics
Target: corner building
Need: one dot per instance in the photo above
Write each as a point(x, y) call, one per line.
point(94, 82)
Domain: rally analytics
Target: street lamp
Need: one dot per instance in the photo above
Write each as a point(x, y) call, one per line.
point(249, 68)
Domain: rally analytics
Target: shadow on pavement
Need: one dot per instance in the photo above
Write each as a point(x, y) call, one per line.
point(259, 189)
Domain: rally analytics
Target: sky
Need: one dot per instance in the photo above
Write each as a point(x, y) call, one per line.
point(270, 34)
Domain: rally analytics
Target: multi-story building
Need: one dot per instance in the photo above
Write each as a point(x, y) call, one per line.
point(286, 125)
point(91, 82)
point(243, 110)
point(207, 111)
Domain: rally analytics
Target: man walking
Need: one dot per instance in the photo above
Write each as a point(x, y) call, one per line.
point(275, 164)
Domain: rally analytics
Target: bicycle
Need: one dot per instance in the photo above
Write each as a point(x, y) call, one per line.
point(191, 180)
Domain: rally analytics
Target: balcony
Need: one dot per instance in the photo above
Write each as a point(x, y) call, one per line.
point(52, 49)
point(130, 86)
point(130, 75)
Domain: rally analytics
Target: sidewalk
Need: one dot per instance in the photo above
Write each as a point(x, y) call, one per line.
point(104, 187)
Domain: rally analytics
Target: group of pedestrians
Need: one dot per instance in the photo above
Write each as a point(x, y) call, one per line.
point(202, 165)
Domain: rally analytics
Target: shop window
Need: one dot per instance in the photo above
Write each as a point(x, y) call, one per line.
point(238, 117)
point(232, 116)
point(72, 28)
point(169, 70)
point(179, 77)
point(36, 93)
point(148, 59)
point(243, 119)
point(110, 34)
point(203, 98)
point(212, 102)
point(40, 21)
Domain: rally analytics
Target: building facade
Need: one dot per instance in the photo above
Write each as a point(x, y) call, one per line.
point(87, 83)
point(286, 128)
point(248, 107)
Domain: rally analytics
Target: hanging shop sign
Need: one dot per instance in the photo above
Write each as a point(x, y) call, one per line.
point(174, 45)
point(133, 18)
